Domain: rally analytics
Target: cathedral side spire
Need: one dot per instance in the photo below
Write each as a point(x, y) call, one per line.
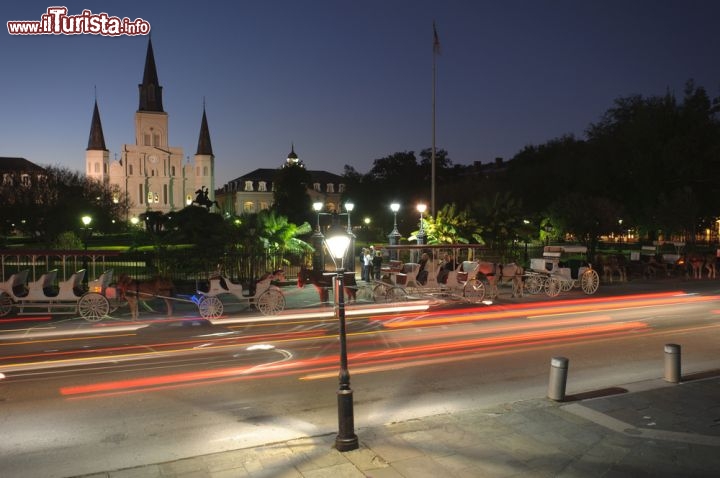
point(204, 144)
point(150, 89)
point(96, 141)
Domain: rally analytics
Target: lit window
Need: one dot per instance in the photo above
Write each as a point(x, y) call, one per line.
point(264, 205)
point(330, 188)
point(248, 186)
point(316, 187)
point(25, 180)
point(248, 206)
point(262, 186)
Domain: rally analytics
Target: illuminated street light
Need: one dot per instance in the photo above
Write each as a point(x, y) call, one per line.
point(350, 257)
point(337, 244)
point(318, 258)
point(421, 207)
point(394, 236)
point(87, 231)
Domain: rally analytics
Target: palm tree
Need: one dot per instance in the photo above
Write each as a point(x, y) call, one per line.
point(449, 226)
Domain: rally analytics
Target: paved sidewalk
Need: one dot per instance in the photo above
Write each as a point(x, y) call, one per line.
point(653, 429)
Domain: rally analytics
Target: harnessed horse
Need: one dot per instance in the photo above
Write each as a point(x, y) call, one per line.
point(323, 283)
point(497, 274)
point(134, 291)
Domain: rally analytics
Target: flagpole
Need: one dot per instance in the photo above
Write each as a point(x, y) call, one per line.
point(436, 47)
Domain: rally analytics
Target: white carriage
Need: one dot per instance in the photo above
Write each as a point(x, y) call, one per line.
point(401, 280)
point(560, 270)
point(21, 297)
point(268, 298)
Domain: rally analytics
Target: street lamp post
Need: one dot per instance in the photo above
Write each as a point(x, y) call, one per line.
point(346, 439)
point(350, 257)
point(394, 236)
point(421, 233)
point(318, 258)
point(86, 220)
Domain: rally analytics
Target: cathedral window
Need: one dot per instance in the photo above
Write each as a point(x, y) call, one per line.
point(165, 194)
point(97, 167)
point(172, 171)
point(205, 170)
point(248, 186)
point(130, 169)
point(330, 188)
point(262, 186)
point(317, 187)
point(156, 139)
point(146, 139)
point(141, 195)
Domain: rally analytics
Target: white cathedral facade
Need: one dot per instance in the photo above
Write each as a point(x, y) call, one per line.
point(154, 174)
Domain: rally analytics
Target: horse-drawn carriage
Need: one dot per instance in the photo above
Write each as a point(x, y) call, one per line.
point(561, 269)
point(267, 297)
point(19, 295)
point(436, 271)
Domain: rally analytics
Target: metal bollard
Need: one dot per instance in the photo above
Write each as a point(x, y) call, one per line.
point(672, 363)
point(558, 378)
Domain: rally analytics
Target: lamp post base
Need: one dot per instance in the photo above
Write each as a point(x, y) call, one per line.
point(346, 439)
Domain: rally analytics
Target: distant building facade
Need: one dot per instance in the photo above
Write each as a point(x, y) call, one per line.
point(154, 175)
point(19, 172)
point(253, 192)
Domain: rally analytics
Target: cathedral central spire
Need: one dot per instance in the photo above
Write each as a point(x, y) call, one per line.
point(150, 89)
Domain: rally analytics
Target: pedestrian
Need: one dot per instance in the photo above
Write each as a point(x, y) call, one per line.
point(377, 264)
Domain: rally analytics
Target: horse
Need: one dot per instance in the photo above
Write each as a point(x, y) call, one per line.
point(497, 274)
point(134, 291)
point(323, 283)
point(694, 262)
point(612, 264)
point(710, 265)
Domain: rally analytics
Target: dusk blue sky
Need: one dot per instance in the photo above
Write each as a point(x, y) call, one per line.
point(349, 81)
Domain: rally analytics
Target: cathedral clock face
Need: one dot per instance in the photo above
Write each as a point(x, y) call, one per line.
point(153, 159)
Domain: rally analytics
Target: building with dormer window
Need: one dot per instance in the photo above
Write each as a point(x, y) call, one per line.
point(253, 192)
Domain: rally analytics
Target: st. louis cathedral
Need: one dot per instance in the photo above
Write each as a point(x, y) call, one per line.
point(151, 172)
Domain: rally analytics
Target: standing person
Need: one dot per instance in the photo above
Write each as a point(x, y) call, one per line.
point(366, 263)
point(377, 264)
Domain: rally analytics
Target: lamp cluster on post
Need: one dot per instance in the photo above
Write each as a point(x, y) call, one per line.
point(337, 244)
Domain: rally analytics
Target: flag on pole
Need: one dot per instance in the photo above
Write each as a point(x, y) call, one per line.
point(436, 41)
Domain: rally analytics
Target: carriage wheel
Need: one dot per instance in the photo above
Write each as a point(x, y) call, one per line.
point(93, 307)
point(380, 292)
point(534, 283)
point(210, 307)
point(474, 290)
point(270, 302)
point(6, 304)
point(396, 294)
point(590, 281)
point(552, 286)
point(566, 285)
